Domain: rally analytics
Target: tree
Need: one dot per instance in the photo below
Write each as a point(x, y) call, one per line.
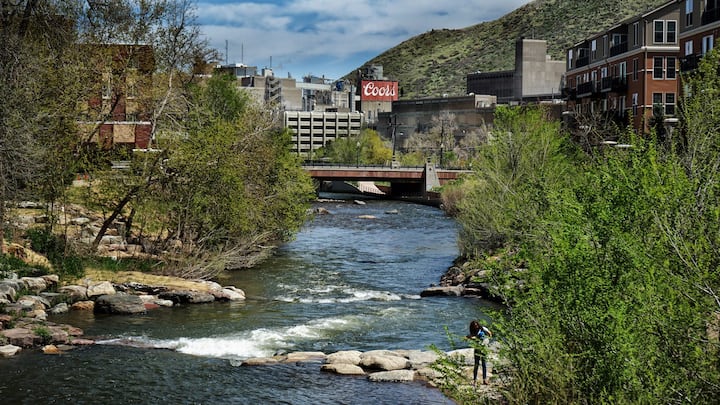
point(367, 148)
point(525, 156)
point(229, 189)
point(38, 61)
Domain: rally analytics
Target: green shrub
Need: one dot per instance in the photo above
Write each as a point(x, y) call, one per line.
point(44, 333)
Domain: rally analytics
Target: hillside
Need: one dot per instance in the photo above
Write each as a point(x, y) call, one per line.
point(436, 62)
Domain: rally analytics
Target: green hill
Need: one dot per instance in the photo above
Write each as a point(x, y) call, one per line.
point(436, 62)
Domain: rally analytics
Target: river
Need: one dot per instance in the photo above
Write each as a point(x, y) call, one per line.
point(344, 283)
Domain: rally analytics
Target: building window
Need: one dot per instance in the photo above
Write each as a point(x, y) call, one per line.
point(593, 50)
point(671, 31)
point(636, 69)
point(669, 103)
point(659, 31)
point(665, 31)
point(688, 13)
point(622, 70)
point(635, 104)
point(707, 44)
point(657, 99)
point(570, 59)
point(658, 67)
point(636, 33)
point(689, 47)
point(670, 72)
point(605, 46)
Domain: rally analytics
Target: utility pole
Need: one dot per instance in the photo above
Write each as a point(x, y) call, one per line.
point(393, 125)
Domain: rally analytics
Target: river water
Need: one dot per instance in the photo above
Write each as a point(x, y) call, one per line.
point(345, 283)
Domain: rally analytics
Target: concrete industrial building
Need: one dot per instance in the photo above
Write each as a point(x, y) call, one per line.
point(312, 130)
point(536, 76)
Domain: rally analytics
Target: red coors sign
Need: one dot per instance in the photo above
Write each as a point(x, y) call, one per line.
point(378, 90)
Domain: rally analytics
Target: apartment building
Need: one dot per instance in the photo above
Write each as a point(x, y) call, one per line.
point(621, 73)
point(699, 30)
point(117, 111)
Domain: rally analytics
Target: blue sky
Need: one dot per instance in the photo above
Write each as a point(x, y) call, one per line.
point(330, 37)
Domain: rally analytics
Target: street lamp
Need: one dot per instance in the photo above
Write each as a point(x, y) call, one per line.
point(357, 148)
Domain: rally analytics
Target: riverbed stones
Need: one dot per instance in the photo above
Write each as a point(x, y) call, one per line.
point(35, 284)
point(83, 306)
point(229, 293)
point(9, 350)
point(22, 337)
point(74, 293)
point(344, 357)
point(187, 297)
point(383, 360)
point(304, 357)
point(119, 304)
point(450, 291)
point(99, 289)
point(392, 376)
point(343, 369)
point(60, 308)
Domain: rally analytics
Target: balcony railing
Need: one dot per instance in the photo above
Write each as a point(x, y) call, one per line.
point(585, 89)
point(619, 49)
point(710, 16)
point(582, 61)
point(606, 84)
point(569, 93)
point(619, 84)
point(690, 62)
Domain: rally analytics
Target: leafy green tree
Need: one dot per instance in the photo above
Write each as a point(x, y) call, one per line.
point(231, 189)
point(525, 157)
point(620, 300)
point(367, 148)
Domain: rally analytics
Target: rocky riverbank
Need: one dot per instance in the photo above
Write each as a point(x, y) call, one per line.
point(26, 302)
point(471, 279)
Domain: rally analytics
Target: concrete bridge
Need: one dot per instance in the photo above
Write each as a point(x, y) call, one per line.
point(404, 181)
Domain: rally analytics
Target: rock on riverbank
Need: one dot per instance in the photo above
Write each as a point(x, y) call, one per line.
point(389, 365)
point(26, 302)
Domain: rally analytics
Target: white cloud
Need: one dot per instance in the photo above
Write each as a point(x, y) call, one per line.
point(306, 35)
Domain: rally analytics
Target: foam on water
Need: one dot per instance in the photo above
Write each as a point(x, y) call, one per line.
point(340, 294)
point(263, 342)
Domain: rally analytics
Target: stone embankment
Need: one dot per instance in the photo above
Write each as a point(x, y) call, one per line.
point(26, 302)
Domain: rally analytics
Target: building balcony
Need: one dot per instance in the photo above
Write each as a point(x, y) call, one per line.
point(606, 84)
point(690, 62)
point(619, 84)
point(710, 16)
point(619, 49)
point(582, 61)
point(585, 89)
point(569, 93)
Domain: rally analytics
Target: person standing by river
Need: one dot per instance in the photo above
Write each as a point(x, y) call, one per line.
point(479, 338)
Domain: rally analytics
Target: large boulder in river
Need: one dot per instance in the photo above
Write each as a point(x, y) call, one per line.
point(119, 304)
point(343, 369)
point(9, 350)
point(383, 360)
point(186, 297)
point(392, 376)
point(453, 291)
point(344, 357)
